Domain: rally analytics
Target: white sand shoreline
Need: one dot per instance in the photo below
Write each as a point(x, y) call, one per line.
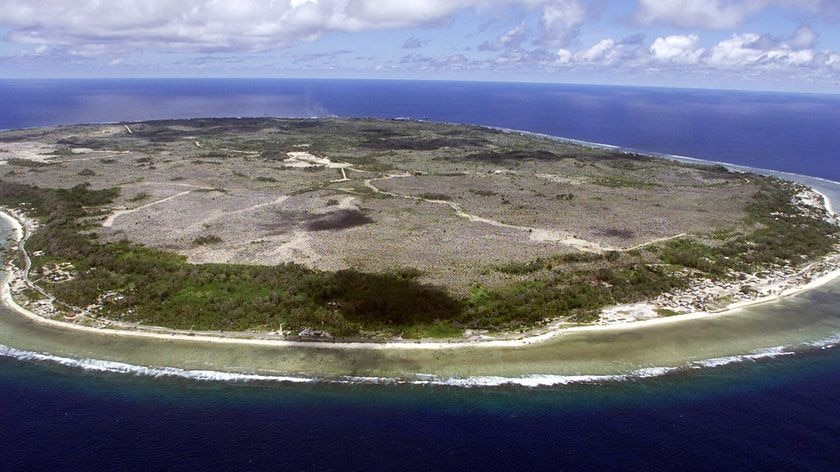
point(20, 234)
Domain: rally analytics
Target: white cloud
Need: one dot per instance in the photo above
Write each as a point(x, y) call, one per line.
point(561, 21)
point(542, 35)
point(601, 52)
point(677, 49)
point(741, 52)
point(787, 57)
point(213, 25)
point(748, 49)
point(715, 14)
point(826, 9)
point(803, 38)
point(722, 14)
point(510, 39)
point(564, 56)
point(736, 51)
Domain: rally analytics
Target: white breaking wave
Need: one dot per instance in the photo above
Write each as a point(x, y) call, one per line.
point(828, 343)
point(767, 353)
point(544, 380)
point(122, 368)
point(537, 380)
point(529, 381)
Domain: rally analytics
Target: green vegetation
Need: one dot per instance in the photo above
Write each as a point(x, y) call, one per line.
point(483, 193)
point(139, 197)
point(578, 295)
point(161, 288)
point(435, 196)
point(26, 163)
point(619, 181)
point(522, 268)
point(437, 329)
point(205, 240)
point(666, 312)
point(782, 236)
point(578, 285)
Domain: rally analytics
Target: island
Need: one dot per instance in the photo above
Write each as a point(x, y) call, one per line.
point(360, 230)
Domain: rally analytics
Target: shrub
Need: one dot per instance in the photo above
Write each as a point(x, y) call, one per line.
point(205, 240)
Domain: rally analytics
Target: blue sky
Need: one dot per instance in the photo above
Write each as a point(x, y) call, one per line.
point(745, 44)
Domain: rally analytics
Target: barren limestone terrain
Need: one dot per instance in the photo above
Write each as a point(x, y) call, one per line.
point(491, 221)
point(446, 200)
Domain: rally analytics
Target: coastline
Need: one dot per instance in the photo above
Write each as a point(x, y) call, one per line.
point(21, 228)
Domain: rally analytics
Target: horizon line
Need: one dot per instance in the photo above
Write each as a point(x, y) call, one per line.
point(465, 81)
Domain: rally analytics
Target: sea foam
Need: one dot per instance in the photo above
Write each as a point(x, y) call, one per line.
point(97, 365)
point(528, 381)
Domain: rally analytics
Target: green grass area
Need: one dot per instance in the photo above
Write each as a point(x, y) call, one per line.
point(437, 329)
point(521, 268)
point(666, 312)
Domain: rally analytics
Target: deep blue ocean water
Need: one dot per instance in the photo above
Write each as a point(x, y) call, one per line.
point(788, 132)
point(770, 415)
point(776, 414)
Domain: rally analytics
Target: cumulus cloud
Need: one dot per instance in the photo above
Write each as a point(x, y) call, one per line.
point(561, 21)
point(88, 26)
point(541, 36)
point(677, 49)
point(602, 52)
point(740, 53)
point(747, 49)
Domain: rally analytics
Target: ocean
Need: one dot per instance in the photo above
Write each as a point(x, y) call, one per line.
point(776, 412)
